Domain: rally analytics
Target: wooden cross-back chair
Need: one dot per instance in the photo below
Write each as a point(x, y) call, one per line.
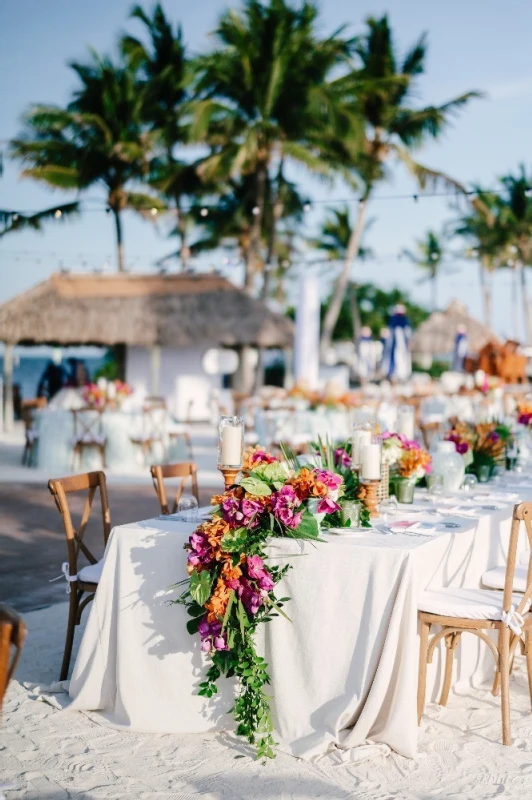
point(431, 432)
point(478, 611)
point(81, 581)
point(88, 434)
point(186, 471)
point(12, 635)
point(28, 409)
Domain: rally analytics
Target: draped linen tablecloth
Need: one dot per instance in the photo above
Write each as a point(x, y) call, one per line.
point(344, 671)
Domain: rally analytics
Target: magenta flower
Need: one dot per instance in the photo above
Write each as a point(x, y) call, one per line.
point(330, 479)
point(341, 458)
point(255, 566)
point(327, 506)
point(284, 503)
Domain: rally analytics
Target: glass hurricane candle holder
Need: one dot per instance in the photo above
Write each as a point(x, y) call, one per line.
point(361, 437)
point(230, 442)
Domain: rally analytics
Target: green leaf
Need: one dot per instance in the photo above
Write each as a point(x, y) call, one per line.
point(308, 527)
point(272, 473)
point(228, 609)
point(193, 625)
point(234, 541)
point(256, 486)
point(200, 587)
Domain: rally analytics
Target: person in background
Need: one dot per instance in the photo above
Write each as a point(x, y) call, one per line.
point(400, 366)
point(52, 380)
point(366, 361)
point(461, 344)
point(385, 340)
point(78, 374)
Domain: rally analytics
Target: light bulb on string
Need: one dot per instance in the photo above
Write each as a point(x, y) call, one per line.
point(204, 212)
point(307, 207)
point(255, 211)
point(154, 212)
point(58, 213)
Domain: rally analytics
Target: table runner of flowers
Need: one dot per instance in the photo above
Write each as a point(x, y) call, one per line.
point(230, 590)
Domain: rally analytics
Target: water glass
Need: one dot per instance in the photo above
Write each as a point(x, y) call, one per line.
point(470, 481)
point(388, 508)
point(187, 508)
point(435, 488)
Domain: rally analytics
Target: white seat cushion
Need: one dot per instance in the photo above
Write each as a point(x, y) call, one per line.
point(467, 603)
point(494, 578)
point(91, 573)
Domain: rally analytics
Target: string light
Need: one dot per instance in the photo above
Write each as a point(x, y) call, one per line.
point(204, 212)
point(307, 207)
point(58, 213)
point(153, 212)
point(255, 211)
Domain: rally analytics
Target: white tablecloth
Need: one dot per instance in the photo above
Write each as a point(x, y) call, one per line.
point(343, 672)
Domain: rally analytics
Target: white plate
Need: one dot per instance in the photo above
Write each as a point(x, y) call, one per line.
point(347, 531)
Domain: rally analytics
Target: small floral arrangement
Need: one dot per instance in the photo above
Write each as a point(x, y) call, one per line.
point(483, 444)
point(524, 413)
point(404, 456)
point(230, 590)
point(338, 460)
point(93, 395)
point(123, 389)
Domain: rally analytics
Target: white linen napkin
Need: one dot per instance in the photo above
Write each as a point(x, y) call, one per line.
point(412, 527)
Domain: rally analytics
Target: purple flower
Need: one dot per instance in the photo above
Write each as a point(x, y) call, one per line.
point(255, 566)
point(204, 628)
point(206, 646)
point(200, 551)
point(462, 447)
point(327, 506)
point(220, 643)
point(494, 436)
point(284, 503)
point(341, 458)
point(243, 513)
point(266, 582)
point(330, 479)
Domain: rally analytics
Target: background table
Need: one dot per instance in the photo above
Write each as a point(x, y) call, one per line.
point(344, 671)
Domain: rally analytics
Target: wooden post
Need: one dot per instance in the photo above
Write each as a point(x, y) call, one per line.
point(9, 417)
point(155, 370)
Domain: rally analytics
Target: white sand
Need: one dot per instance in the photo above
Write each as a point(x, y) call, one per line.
point(47, 754)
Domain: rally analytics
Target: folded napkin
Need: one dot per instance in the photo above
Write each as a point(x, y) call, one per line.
point(503, 497)
point(461, 511)
point(411, 527)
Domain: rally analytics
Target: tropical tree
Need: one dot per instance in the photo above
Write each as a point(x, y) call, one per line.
point(264, 94)
point(97, 139)
point(165, 77)
point(11, 221)
point(428, 257)
point(381, 87)
point(334, 241)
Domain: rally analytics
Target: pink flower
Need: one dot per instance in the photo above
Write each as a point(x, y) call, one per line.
point(255, 566)
point(341, 458)
point(327, 506)
point(330, 479)
point(284, 503)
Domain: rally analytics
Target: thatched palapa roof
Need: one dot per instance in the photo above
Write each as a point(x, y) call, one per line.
point(436, 336)
point(143, 310)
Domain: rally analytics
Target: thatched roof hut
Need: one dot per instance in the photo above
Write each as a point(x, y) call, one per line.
point(141, 310)
point(436, 336)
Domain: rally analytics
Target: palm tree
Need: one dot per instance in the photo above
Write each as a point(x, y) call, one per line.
point(97, 139)
point(429, 257)
point(380, 89)
point(11, 221)
point(164, 74)
point(263, 95)
point(334, 240)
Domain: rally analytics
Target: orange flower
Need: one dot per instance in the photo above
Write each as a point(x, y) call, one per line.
point(217, 604)
point(305, 485)
point(215, 530)
point(412, 461)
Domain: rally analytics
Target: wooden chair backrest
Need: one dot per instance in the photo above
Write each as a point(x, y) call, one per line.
point(12, 634)
point(88, 422)
point(88, 482)
point(429, 431)
point(28, 409)
point(186, 470)
point(522, 513)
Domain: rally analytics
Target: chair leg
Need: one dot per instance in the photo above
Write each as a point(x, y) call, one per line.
point(451, 643)
point(496, 683)
point(188, 441)
point(72, 613)
point(528, 653)
point(422, 675)
point(504, 662)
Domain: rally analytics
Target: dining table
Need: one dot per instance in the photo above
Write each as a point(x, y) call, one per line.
point(343, 665)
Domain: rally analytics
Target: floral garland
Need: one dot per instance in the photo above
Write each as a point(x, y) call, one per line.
point(230, 591)
point(406, 458)
point(481, 444)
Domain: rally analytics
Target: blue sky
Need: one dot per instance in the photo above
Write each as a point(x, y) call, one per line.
point(472, 45)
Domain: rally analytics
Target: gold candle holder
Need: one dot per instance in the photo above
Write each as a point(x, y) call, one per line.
point(230, 475)
point(368, 494)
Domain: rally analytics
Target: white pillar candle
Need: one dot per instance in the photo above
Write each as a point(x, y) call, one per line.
point(371, 462)
point(231, 446)
point(405, 422)
point(111, 391)
point(361, 437)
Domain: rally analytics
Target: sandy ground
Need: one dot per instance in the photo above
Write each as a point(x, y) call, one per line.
point(46, 754)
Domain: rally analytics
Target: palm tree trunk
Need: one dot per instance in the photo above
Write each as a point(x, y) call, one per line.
point(527, 311)
point(485, 285)
point(254, 250)
point(335, 304)
point(434, 283)
point(355, 311)
point(119, 241)
point(184, 252)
